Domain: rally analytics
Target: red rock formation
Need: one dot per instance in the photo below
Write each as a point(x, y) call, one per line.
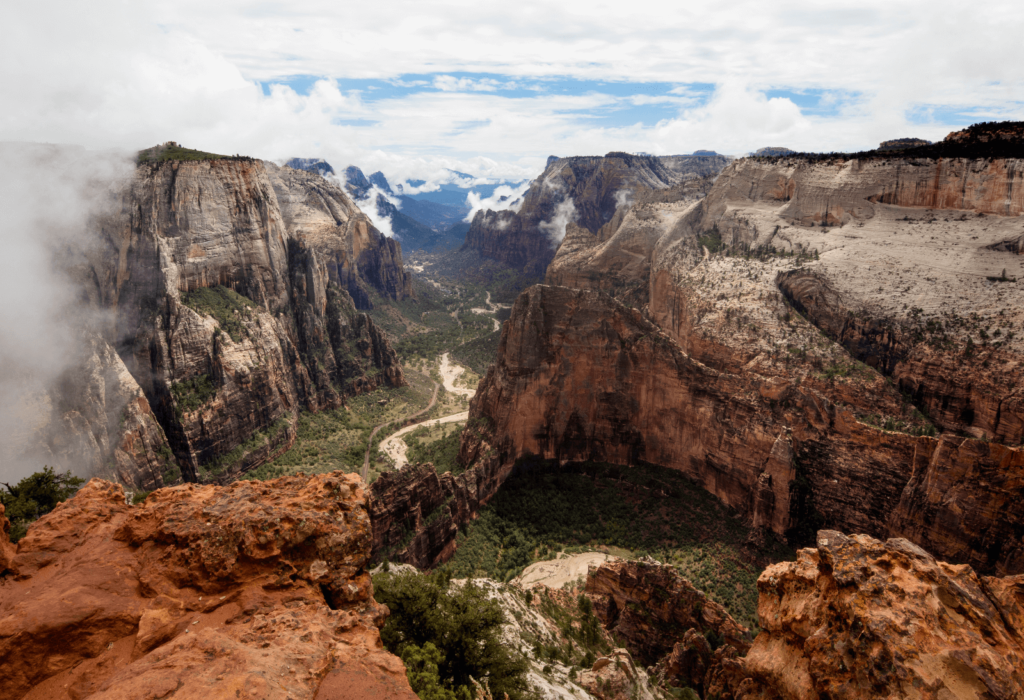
point(858, 618)
point(650, 606)
point(416, 513)
point(256, 590)
point(7, 550)
point(955, 388)
point(580, 377)
point(616, 677)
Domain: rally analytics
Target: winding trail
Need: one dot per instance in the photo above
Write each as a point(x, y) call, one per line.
point(393, 445)
point(369, 446)
point(491, 309)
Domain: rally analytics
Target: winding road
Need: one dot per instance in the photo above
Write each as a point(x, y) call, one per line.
point(369, 446)
point(393, 445)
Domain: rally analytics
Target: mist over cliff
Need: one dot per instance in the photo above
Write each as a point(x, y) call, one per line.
point(50, 197)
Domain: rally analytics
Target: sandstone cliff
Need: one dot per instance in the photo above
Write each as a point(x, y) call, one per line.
point(858, 618)
point(416, 513)
point(231, 290)
point(257, 590)
point(584, 190)
point(579, 377)
point(851, 319)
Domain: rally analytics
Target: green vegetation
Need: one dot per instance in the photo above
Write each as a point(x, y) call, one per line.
point(437, 444)
point(172, 151)
point(852, 370)
point(447, 634)
point(256, 441)
point(337, 439)
point(192, 393)
point(478, 354)
point(227, 307)
point(712, 240)
point(544, 508)
point(447, 334)
point(35, 496)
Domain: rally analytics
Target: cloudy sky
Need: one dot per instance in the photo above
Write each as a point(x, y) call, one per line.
point(494, 88)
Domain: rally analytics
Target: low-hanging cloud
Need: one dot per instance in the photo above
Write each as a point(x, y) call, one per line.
point(504, 197)
point(370, 205)
point(564, 213)
point(51, 198)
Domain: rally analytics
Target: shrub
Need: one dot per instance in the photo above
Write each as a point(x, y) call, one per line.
point(461, 624)
point(192, 393)
point(227, 307)
point(35, 496)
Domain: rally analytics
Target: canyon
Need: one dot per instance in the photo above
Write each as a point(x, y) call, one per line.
point(827, 344)
point(815, 342)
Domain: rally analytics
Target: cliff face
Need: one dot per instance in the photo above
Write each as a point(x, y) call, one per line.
point(584, 190)
point(257, 590)
point(580, 377)
point(857, 618)
point(650, 606)
point(416, 513)
point(827, 308)
point(232, 287)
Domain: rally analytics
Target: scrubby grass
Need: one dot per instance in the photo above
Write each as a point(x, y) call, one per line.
point(192, 394)
point(438, 444)
point(159, 154)
point(544, 509)
point(227, 307)
point(337, 439)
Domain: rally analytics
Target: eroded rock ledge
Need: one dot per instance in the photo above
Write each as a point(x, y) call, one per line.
point(257, 590)
point(858, 618)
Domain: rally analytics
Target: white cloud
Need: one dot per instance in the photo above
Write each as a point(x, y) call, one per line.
point(504, 197)
point(143, 73)
point(555, 228)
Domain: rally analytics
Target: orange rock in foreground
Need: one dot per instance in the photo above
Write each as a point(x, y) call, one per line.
point(255, 590)
point(860, 618)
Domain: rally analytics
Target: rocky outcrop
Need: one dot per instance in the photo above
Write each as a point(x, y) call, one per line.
point(651, 606)
point(856, 617)
point(618, 261)
point(257, 590)
point(616, 677)
point(232, 287)
point(417, 513)
point(101, 422)
point(579, 377)
point(584, 190)
point(7, 550)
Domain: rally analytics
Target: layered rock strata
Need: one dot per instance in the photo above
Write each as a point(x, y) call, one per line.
point(579, 377)
point(856, 617)
point(257, 590)
point(417, 513)
point(650, 606)
point(231, 290)
point(585, 190)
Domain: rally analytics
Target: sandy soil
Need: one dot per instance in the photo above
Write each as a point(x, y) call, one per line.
point(449, 373)
point(394, 446)
point(557, 572)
